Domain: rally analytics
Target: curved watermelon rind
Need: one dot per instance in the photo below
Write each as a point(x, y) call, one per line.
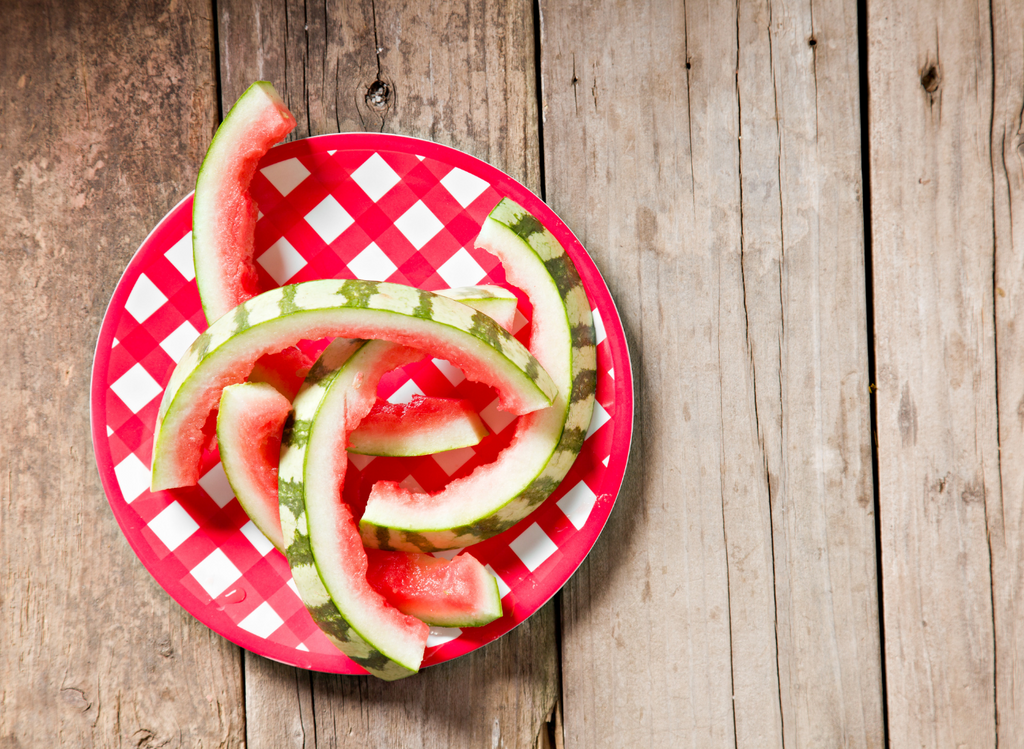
point(279, 318)
point(395, 519)
point(327, 591)
point(223, 212)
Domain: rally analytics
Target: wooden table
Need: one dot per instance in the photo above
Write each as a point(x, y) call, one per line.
point(811, 216)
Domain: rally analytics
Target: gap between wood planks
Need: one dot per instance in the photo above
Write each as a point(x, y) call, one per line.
point(869, 304)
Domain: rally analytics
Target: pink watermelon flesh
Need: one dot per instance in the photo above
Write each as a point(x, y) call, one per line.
point(223, 211)
point(456, 593)
point(285, 370)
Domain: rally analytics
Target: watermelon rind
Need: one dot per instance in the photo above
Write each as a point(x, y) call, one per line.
point(223, 211)
point(496, 496)
point(238, 402)
point(421, 427)
point(276, 319)
point(322, 541)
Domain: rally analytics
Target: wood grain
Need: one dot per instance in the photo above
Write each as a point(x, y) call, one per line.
point(106, 110)
point(708, 157)
point(463, 75)
point(1006, 521)
point(930, 89)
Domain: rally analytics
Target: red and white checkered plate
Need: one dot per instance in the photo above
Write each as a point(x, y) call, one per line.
point(376, 207)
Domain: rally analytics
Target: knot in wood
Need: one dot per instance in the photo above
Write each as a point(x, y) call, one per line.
point(378, 95)
point(931, 78)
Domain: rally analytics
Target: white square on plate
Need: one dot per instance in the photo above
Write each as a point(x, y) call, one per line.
point(360, 461)
point(419, 225)
point(598, 420)
point(177, 343)
point(262, 622)
point(405, 393)
point(503, 589)
point(533, 547)
point(441, 635)
point(216, 573)
point(286, 175)
point(281, 260)
point(180, 256)
point(463, 186)
point(136, 388)
point(496, 419)
point(452, 460)
point(461, 270)
point(132, 476)
point(215, 483)
point(599, 331)
point(375, 177)
point(173, 526)
point(451, 373)
point(259, 542)
point(577, 504)
point(145, 299)
point(372, 264)
point(329, 219)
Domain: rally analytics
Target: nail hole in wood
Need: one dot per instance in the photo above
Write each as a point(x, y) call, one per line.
point(931, 78)
point(378, 95)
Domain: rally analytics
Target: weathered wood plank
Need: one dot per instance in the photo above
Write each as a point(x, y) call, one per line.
point(733, 598)
point(805, 294)
point(1006, 521)
point(457, 74)
point(930, 89)
point(106, 110)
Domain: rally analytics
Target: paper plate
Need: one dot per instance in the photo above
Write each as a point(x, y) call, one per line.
point(375, 207)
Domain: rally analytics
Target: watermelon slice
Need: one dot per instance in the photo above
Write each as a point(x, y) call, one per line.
point(251, 418)
point(326, 555)
point(223, 212)
point(456, 593)
point(498, 495)
point(277, 319)
point(420, 427)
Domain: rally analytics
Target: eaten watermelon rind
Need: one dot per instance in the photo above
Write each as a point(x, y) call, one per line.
point(276, 319)
point(495, 497)
point(223, 211)
point(322, 540)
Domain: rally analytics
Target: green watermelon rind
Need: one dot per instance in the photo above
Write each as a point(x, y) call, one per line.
point(226, 149)
point(525, 247)
point(276, 319)
point(323, 589)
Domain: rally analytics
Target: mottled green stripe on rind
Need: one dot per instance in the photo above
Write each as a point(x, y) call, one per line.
point(526, 226)
point(583, 335)
point(201, 346)
point(563, 272)
point(287, 304)
point(358, 293)
point(487, 330)
point(425, 309)
point(584, 385)
point(384, 539)
point(241, 318)
point(296, 431)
